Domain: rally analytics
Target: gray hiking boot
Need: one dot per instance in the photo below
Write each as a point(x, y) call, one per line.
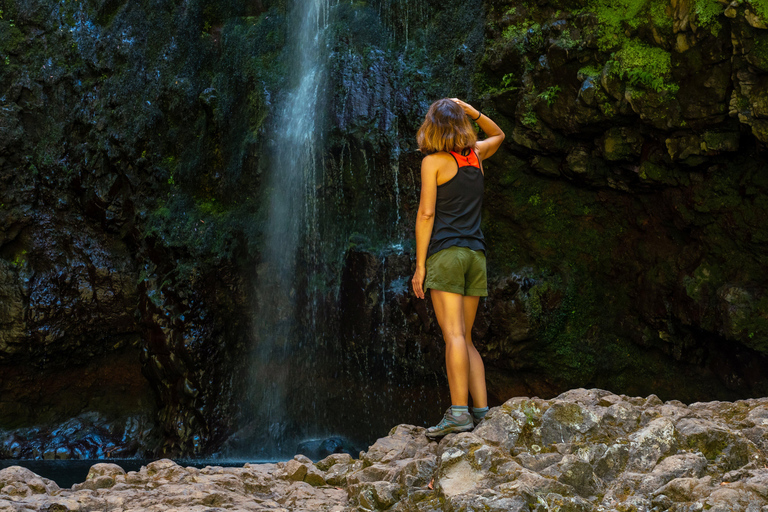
point(451, 424)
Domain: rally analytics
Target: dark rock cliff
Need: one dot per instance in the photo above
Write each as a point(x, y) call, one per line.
point(624, 212)
point(632, 187)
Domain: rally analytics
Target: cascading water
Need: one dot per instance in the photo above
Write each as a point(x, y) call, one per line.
point(290, 231)
point(332, 296)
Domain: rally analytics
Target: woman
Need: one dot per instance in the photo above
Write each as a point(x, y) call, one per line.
point(450, 249)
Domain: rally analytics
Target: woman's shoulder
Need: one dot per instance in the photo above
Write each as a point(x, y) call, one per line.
point(437, 160)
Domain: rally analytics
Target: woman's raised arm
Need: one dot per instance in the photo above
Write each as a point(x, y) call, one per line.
point(485, 148)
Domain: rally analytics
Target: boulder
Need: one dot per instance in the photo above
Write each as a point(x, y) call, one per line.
point(585, 450)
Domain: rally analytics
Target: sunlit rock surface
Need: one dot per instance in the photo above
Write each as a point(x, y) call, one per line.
point(585, 450)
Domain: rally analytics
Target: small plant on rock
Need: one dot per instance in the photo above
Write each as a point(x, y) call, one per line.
point(507, 81)
point(550, 95)
point(530, 118)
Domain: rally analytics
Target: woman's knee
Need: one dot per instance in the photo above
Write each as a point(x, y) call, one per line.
point(454, 338)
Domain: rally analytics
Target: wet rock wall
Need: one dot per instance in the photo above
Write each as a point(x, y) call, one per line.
point(630, 187)
point(120, 232)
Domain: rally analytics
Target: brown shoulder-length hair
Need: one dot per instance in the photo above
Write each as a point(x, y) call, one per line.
point(445, 128)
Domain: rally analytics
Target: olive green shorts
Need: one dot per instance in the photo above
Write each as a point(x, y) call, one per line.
point(457, 270)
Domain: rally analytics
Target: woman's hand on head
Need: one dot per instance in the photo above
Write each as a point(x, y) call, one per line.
point(466, 107)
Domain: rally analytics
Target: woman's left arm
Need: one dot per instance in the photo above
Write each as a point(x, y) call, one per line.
point(425, 220)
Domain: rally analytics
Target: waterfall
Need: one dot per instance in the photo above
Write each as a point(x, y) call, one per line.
point(341, 350)
point(290, 235)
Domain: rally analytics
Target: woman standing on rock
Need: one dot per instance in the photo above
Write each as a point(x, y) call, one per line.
point(450, 248)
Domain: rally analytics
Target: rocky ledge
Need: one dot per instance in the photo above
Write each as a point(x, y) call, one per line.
point(585, 450)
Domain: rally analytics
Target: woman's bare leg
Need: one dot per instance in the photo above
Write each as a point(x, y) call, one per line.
point(449, 310)
point(476, 368)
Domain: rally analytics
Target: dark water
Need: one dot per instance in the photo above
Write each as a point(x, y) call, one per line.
point(66, 473)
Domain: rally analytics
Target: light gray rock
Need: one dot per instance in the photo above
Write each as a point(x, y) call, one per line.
point(583, 451)
point(18, 481)
point(648, 445)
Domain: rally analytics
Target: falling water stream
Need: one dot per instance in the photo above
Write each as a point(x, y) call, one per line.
point(290, 231)
point(316, 374)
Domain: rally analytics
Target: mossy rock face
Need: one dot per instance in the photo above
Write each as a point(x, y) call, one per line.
point(147, 186)
point(621, 143)
point(644, 151)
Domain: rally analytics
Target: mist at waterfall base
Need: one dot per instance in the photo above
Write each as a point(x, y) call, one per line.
point(318, 383)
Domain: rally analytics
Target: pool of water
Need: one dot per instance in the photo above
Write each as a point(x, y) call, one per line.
point(66, 473)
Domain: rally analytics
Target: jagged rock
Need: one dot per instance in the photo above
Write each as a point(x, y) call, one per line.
point(621, 143)
point(295, 470)
point(21, 482)
point(583, 444)
point(333, 460)
point(101, 476)
point(585, 450)
point(301, 469)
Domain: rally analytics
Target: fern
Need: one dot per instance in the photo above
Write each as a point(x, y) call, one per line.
point(550, 95)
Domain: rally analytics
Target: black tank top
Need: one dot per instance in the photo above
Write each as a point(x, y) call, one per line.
point(458, 206)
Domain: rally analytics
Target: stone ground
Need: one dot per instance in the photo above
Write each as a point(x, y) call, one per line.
point(583, 451)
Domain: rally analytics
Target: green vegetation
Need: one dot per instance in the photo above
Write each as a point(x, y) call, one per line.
point(632, 59)
point(507, 82)
point(205, 229)
point(644, 66)
point(550, 95)
point(591, 70)
point(19, 259)
point(707, 12)
point(659, 16)
point(615, 16)
point(760, 7)
point(526, 34)
point(530, 118)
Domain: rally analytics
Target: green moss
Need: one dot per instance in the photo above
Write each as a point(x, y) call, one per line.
point(615, 17)
point(760, 7)
point(720, 141)
point(524, 35)
point(653, 172)
point(530, 118)
point(644, 66)
point(11, 38)
point(710, 445)
point(566, 328)
point(569, 414)
point(696, 286)
point(20, 259)
point(591, 71)
point(749, 320)
point(660, 16)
